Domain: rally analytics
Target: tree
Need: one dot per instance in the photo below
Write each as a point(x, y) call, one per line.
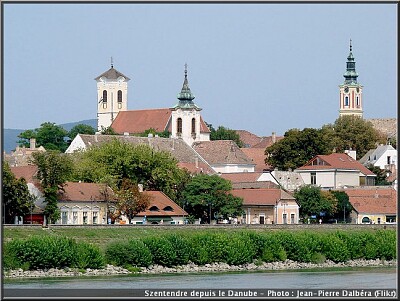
point(352, 132)
point(343, 205)
point(381, 175)
point(313, 201)
point(49, 135)
point(130, 201)
point(81, 129)
point(223, 133)
point(297, 147)
point(16, 198)
point(156, 170)
point(208, 195)
point(54, 169)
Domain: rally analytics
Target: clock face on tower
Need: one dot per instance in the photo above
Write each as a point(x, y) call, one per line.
point(346, 89)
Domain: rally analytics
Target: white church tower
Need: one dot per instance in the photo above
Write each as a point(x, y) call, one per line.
point(350, 91)
point(112, 96)
point(185, 117)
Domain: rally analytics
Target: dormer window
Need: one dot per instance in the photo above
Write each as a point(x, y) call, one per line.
point(154, 208)
point(168, 208)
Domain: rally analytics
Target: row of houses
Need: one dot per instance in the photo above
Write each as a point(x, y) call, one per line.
point(267, 193)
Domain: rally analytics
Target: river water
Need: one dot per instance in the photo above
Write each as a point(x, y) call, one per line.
point(382, 278)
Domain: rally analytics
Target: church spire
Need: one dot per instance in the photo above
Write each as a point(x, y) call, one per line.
point(186, 94)
point(350, 76)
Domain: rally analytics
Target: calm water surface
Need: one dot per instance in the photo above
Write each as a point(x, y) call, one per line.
point(361, 279)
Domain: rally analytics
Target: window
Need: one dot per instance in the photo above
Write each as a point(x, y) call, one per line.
point(390, 218)
point(75, 217)
point(119, 99)
point(179, 124)
point(64, 217)
point(313, 178)
point(154, 208)
point(104, 99)
point(168, 208)
point(379, 220)
point(193, 126)
point(292, 218)
point(346, 101)
point(285, 218)
point(388, 160)
point(357, 102)
point(85, 218)
point(365, 219)
point(95, 217)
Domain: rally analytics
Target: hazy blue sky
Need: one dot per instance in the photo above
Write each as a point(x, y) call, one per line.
point(258, 67)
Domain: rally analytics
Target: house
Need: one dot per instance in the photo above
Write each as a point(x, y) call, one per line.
point(335, 171)
point(22, 155)
point(183, 120)
point(179, 149)
point(377, 205)
point(268, 206)
point(224, 156)
point(29, 173)
point(84, 204)
point(384, 157)
point(162, 210)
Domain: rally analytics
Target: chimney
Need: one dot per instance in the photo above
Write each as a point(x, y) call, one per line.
point(32, 143)
point(273, 137)
point(197, 162)
point(351, 153)
point(140, 187)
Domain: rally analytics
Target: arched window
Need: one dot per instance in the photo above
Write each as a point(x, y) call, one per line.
point(168, 208)
point(154, 208)
point(119, 99)
point(193, 126)
point(365, 219)
point(346, 101)
point(104, 99)
point(179, 125)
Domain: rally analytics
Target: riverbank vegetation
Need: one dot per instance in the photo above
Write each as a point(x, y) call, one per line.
point(94, 248)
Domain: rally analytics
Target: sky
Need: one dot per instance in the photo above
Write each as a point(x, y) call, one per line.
point(265, 67)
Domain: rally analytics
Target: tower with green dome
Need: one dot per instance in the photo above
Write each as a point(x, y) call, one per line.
point(350, 91)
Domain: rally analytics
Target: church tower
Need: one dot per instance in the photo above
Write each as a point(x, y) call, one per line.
point(350, 91)
point(185, 117)
point(112, 96)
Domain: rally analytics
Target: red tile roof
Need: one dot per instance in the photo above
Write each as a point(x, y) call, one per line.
point(335, 161)
point(161, 201)
point(262, 196)
point(258, 157)
point(27, 172)
point(373, 200)
point(249, 139)
point(74, 191)
point(239, 177)
point(267, 141)
point(138, 121)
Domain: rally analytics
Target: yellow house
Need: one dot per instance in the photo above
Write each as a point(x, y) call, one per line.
point(268, 206)
point(373, 205)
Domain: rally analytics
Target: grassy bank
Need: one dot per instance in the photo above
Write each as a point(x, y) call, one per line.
point(91, 247)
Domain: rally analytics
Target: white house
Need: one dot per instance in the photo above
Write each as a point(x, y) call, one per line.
point(384, 157)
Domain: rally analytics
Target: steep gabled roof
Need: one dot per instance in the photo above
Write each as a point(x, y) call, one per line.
point(335, 161)
point(373, 200)
point(112, 73)
point(82, 192)
point(221, 152)
point(248, 138)
point(375, 154)
point(262, 196)
point(166, 206)
point(267, 141)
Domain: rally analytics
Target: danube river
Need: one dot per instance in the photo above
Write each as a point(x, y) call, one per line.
point(370, 278)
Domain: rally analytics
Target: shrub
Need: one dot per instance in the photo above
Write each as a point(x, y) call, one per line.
point(162, 251)
point(128, 253)
point(334, 248)
point(182, 248)
point(239, 250)
point(89, 256)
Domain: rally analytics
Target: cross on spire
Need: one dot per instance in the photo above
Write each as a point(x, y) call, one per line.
point(350, 46)
point(112, 65)
point(186, 69)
